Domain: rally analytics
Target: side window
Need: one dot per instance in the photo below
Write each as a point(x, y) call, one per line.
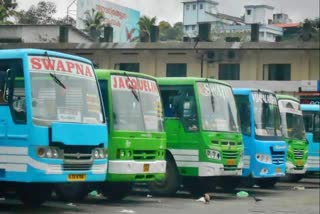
point(104, 92)
point(12, 88)
point(243, 105)
point(316, 130)
point(307, 118)
point(180, 102)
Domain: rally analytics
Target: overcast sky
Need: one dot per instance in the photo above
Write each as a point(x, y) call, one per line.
point(171, 10)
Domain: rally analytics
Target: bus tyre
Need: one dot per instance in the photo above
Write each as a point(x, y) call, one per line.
point(295, 177)
point(171, 183)
point(34, 195)
point(71, 191)
point(266, 183)
point(115, 191)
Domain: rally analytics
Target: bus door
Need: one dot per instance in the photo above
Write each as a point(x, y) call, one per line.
point(312, 121)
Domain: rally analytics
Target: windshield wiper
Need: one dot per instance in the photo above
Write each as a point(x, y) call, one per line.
point(133, 91)
point(53, 75)
point(211, 97)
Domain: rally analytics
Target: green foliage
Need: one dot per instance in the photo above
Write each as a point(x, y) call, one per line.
point(7, 9)
point(145, 24)
point(94, 23)
point(310, 30)
point(42, 13)
point(167, 32)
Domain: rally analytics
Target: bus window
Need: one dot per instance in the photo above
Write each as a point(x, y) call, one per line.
point(244, 112)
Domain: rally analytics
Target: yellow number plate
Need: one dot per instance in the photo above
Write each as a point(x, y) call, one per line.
point(76, 177)
point(299, 163)
point(146, 167)
point(278, 170)
point(231, 162)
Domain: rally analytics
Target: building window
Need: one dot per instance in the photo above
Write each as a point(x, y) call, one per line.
point(176, 70)
point(194, 6)
point(187, 6)
point(193, 27)
point(248, 12)
point(280, 72)
point(201, 6)
point(187, 27)
point(133, 67)
point(229, 71)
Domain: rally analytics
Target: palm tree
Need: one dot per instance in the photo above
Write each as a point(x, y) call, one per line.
point(94, 23)
point(145, 24)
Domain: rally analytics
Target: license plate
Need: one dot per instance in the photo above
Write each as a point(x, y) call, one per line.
point(146, 167)
point(76, 177)
point(278, 170)
point(231, 162)
point(299, 163)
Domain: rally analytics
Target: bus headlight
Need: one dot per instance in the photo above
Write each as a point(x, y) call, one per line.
point(49, 152)
point(99, 153)
point(264, 158)
point(213, 154)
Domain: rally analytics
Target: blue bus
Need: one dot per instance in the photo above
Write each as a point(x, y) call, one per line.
point(52, 126)
point(311, 117)
point(264, 159)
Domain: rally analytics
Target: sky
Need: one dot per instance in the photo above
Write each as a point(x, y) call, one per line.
point(171, 10)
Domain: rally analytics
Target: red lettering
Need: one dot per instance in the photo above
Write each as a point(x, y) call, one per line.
point(121, 83)
point(141, 85)
point(128, 83)
point(115, 83)
point(48, 64)
point(134, 84)
point(35, 62)
point(79, 69)
point(88, 72)
point(70, 66)
point(60, 66)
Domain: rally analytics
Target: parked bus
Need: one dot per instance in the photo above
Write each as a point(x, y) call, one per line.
point(52, 127)
point(264, 146)
point(204, 143)
point(311, 117)
point(295, 136)
point(137, 140)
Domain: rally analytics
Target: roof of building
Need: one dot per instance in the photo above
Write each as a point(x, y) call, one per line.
point(195, 1)
point(175, 46)
point(260, 5)
point(287, 25)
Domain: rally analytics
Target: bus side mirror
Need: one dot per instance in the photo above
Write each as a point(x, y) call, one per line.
point(187, 109)
point(8, 83)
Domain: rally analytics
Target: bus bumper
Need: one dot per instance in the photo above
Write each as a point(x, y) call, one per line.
point(215, 169)
point(292, 169)
point(313, 164)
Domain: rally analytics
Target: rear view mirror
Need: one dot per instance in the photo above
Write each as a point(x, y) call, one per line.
point(7, 84)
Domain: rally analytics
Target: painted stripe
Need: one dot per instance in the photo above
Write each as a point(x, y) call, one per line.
point(184, 152)
point(14, 167)
point(246, 161)
point(134, 167)
point(186, 158)
point(6, 150)
point(99, 168)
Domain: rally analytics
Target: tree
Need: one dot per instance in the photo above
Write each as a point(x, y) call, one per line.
point(41, 14)
point(145, 24)
point(7, 9)
point(167, 32)
point(310, 30)
point(94, 23)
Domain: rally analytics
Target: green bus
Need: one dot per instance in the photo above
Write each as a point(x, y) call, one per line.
point(136, 136)
point(204, 142)
point(294, 132)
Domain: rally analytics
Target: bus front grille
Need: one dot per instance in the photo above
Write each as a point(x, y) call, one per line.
point(278, 157)
point(230, 154)
point(298, 153)
point(144, 155)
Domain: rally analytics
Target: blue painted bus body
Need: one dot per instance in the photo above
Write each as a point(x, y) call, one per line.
point(311, 116)
point(264, 156)
point(28, 150)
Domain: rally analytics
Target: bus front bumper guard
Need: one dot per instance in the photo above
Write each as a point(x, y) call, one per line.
point(136, 167)
point(292, 169)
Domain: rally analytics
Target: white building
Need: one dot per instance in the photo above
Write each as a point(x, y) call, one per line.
point(261, 14)
point(281, 18)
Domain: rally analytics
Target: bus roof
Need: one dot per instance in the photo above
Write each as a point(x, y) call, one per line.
point(248, 90)
point(287, 97)
point(14, 53)
point(105, 73)
point(310, 107)
point(186, 80)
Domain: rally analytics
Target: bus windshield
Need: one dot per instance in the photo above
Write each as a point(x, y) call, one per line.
point(218, 107)
point(292, 120)
point(266, 114)
point(63, 90)
point(312, 124)
point(136, 104)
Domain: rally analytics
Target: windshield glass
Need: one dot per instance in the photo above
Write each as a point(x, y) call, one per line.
point(136, 104)
point(266, 114)
point(312, 124)
point(292, 121)
point(63, 90)
point(218, 107)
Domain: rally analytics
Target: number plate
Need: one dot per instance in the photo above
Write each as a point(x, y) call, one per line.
point(231, 162)
point(146, 167)
point(76, 177)
point(299, 163)
point(278, 170)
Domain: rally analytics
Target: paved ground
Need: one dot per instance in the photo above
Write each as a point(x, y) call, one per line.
point(301, 197)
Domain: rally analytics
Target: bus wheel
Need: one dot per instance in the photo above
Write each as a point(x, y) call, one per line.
point(266, 183)
point(229, 184)
point(295, 177)
point(115, 191)
point(71, 191)
point(171, 183)
point(34, 195)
